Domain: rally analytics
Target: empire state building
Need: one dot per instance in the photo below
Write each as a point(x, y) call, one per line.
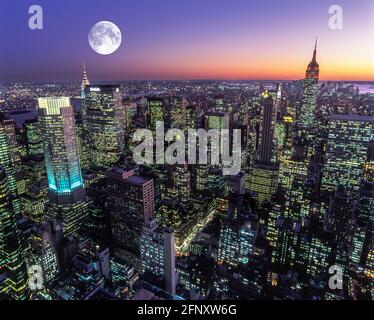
point(307, 110)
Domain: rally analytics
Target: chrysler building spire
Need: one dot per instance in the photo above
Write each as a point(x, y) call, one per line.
point(85, 81)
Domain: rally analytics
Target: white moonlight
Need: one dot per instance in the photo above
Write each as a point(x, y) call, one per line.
point(105, 37)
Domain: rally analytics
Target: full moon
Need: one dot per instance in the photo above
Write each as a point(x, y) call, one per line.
point(105, 37)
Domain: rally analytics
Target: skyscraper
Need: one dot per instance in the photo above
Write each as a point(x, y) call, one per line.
point(178, 113)
point(236, 241)
point(366, 197)
point(347, 147)
point(156, 112)
point(103, 122)
point(340, 215)
point(307, 110)
point(268, 123)
point(130, 202)
point(43, 252)
point(157, 255)
point(182, 183)
point(85, 81)
point(33, 137)
point(263, 177)
point(11, 257)
point(66, 194)
point(7, 161)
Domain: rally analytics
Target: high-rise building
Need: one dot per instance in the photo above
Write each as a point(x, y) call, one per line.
point(44, 240)
point(157, 255)
point(130, 202)
point(11, 255)
point(284, 243)
point(263, 176)
point(307, 110)
point(66, 193)
point(263, 181)
point(339, 216)
point(366, 196)
point(9, 127)
point(35, 199)
point(178, 113)
point(182, 183)
point(236, 241)
point(293, 177)
point(314, 254)
point(33, 137)
point(104, 122)
point(266, 149)
point(8, 162)
point(347, 146)
point(191, 117)
point(156, 112)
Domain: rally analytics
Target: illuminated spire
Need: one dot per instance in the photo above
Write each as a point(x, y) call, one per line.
point(313, 67)
point(85, 81)
point(314, 60)
point(265, 94)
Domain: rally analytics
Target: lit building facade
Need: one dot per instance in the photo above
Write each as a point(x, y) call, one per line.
point(8, 164)
point(33, 137)
point(11, 254)
point(157, 254)
point(156, 112)
point(104, 122)
point(236, 242)
point(346, 154)
point(66, 193)
point(306, 116)
point(130, 202)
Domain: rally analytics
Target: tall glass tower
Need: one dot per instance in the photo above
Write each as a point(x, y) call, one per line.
point(268, 122)
point(306, 114)
point(11, 259)
point(6, 161)
point(66, 194)
point(103, 120)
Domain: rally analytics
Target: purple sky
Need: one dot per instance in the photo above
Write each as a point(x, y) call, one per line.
point(188, 39)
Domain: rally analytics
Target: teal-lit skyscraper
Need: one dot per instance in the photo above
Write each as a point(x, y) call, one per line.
point(65, 183)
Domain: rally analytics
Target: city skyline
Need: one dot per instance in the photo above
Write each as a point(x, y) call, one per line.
point(219, 190)
point(188, 41)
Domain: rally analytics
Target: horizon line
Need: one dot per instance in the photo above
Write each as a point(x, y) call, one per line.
point(180, 80)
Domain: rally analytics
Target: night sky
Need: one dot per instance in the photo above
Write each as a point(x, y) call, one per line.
point(188, 39)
